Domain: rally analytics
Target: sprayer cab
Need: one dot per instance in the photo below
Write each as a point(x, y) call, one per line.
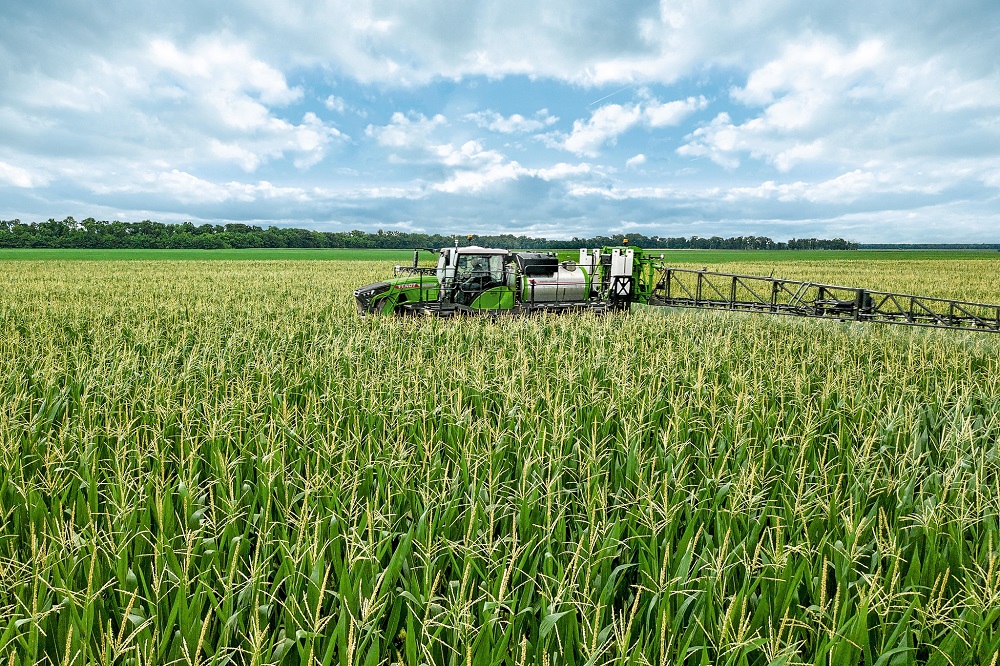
point(465, 274)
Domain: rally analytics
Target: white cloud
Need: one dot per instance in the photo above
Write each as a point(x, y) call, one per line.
point(473, 181)
point(822, 103)
point(814, 63)
point(264, 190)
point(178, 185)
point(469, 181)
point(193, 190)
point(616, 193)
point(635, 161)
point(563, 171)
point(719, 141)
point(414, 134)
point(246, 159)
point(188, 188)
point(604, 126)
point(845, 188)
point(513, 124)
point(672, 113)
point(307, 141)
point(470, 155)
point(20, 177)
point(992, 178)
point(406, 131)
point(608, 122)
point(223, 65)
point(334, 103)
point(192, 106)
point(806, 95)
point(222, 77)
point(363, 194)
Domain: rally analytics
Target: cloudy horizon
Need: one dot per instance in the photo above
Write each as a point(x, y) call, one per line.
point(872, 122)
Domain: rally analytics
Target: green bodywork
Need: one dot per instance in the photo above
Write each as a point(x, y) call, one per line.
point(496, 298)
point(643, 268)
point(408, 289)
point(425, 289)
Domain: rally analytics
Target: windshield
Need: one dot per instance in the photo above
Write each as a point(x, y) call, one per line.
point(488, 266)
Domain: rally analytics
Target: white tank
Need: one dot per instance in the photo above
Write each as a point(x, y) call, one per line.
point(544, 280)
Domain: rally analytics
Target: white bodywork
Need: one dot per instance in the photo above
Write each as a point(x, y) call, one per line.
point(589, 260)
point(621, 266)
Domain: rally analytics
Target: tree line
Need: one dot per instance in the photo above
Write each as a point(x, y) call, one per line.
point(930, 246)
point(100, 234)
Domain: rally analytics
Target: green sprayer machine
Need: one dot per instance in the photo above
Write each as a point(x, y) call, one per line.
point(478, 280)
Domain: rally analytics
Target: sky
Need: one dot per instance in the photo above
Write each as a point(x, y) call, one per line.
point(870, 121)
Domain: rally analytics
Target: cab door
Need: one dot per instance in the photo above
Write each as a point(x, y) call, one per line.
point(496, 290)
point(497, 298)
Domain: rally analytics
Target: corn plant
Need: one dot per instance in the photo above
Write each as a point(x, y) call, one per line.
point(219, 462)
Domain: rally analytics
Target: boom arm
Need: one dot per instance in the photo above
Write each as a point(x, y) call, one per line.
point(680, 287)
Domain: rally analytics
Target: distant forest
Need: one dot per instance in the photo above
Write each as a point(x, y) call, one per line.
point(929, 246)
point(91, 233)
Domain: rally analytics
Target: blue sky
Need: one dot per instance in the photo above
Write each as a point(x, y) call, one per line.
point(877, 122)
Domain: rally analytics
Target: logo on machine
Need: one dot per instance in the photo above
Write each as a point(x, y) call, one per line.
point(408, 286)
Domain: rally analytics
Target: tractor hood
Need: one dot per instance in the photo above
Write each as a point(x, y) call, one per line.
point(370, 297)
point(365, 296)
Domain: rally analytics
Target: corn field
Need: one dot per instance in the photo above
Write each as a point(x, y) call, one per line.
point(219, 462)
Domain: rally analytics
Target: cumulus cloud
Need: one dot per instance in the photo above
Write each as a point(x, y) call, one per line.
point(221, 79)
point(513, 124)
point(471, 154)
point(20, 177)
point(334, 103)
point(608, 122)
point(474, 181)
point(823, 102)
point(175, 184)
point(658, 115)
point(603, 126)
point(223, 65)
point(407, 131)
point(469, 167)
point(815, 64)
point(806, 95)
point(307, 142)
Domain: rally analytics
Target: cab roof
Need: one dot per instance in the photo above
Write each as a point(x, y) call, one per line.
point(476, 249)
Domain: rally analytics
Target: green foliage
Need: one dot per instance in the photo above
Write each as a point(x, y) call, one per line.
point(255, 254)
point(91, 233)
point(762, 261)
point(212, 462)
